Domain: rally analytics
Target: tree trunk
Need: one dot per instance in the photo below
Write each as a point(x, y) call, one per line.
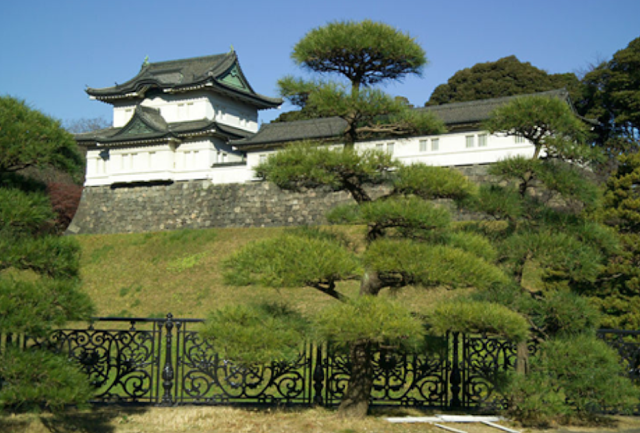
point(370, 284)
point(355, 402)
point(522, 358)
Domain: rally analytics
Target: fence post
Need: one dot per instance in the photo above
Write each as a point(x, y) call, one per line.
point(455, 373)
point(318, 378)
point(167, 371)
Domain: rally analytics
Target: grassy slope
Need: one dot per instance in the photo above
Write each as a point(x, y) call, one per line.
point(151, 274)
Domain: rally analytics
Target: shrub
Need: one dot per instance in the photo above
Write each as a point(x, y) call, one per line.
point(65, 199)
point(578, 377)
point(589, 372)
point(37, 378)
point(533, 400)
point(256, 334)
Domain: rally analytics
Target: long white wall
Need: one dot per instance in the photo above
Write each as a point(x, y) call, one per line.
point(216, 161)
point(194, 106)
point(163, 162)
point(452, 149)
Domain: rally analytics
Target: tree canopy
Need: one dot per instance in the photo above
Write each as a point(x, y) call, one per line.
point(504, 77)
point(612, 94)
point(39, 270)
point(30, 138)
point(617, 290)
point(364, 53)
point(547, 122)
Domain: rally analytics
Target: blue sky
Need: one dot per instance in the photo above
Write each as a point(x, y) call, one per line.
point(51, 50)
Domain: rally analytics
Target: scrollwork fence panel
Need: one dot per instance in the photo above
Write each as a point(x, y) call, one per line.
point(166, 362)
point(122, 364)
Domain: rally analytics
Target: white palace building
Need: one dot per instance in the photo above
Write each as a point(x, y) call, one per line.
point(197, 119)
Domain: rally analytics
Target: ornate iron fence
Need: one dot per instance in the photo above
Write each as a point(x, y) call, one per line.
point(166, 362)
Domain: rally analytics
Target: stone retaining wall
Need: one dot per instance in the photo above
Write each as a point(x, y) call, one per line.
point(199, 204)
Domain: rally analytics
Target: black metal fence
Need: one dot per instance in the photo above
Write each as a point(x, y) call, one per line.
point(166, 362)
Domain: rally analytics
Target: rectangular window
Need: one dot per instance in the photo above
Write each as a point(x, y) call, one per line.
point(263, 159)
point(390, 147)
point(470, 141)
point(519, 139)
point(435, 144)
point(380, 146)
point(482, 140)
point(423, 145)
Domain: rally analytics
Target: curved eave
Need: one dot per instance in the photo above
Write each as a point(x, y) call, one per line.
point(260, 101)
point(210, 83)
point(212, 130)
point(275, 144)
point(134, 142)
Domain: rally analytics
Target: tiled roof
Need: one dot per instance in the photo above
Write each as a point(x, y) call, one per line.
point(280, 132)
point(453, 115)
point(185, 74)
point(476, 111)
point(148, 125)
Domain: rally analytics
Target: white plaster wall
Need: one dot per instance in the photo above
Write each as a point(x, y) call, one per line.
point(452, 149)
point(193, 159)
point(122, 113)
point(255, 158)
point(234, 113)
point(134, 164)
point(197, 159)
point(197, 105)
point(231, 174)
point(190, 160)
point(181, 107)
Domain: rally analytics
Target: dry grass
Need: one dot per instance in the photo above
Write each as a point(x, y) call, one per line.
point(152, 274)
point(233, 420)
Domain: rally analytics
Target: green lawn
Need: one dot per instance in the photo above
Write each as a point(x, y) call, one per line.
point(152, 274)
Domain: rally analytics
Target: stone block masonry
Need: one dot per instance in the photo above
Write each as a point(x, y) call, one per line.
point(199, 204)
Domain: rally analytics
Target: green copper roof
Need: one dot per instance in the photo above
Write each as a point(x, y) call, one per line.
point(147, 124)
point(220, 73)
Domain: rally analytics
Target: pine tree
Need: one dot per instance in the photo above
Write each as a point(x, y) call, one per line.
point(410, 240)
point(39, 280)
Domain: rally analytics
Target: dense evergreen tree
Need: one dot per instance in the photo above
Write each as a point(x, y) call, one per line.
point(31, 138)
point(617, 290)
point(39, 281)
point(505, 77)
point(612, 95)
point(544, 200)
point(613, 91)
point(553, 247)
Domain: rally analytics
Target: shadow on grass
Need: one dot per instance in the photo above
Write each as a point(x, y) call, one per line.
point(96, 420)
point(11, 425)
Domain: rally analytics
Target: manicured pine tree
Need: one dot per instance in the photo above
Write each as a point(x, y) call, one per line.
point(409, 239)
point(553, 247)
